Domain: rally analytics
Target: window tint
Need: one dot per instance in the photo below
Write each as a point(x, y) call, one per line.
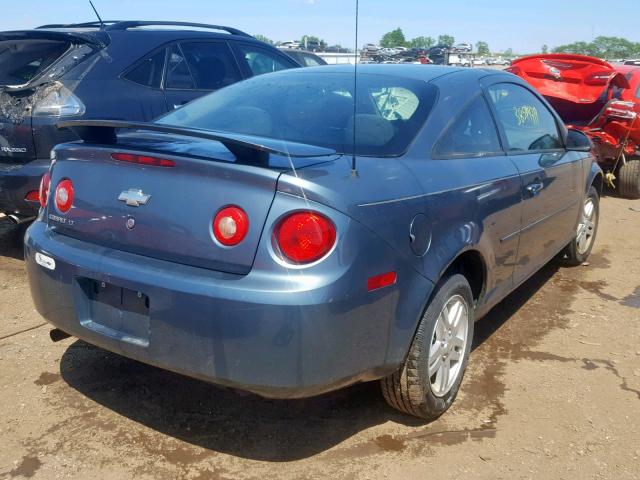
point(317, 109)
point(527, 123)
point(149, 71)
point(262, 61)
point(178, 74)
point(211, 64)
point(472, 133)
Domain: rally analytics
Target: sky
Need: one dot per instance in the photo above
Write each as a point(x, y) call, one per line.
point(522, 26)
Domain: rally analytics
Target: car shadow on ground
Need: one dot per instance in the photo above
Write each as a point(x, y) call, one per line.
point(246, 425)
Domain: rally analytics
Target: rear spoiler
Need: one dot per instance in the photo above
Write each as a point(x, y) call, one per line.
point(245, 147)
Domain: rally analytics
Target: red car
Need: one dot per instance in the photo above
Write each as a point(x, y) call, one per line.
point(602, 100)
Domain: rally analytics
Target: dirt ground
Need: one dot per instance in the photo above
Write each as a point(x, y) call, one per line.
point(552, 391)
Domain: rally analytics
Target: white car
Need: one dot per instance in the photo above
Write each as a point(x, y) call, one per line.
point(390, 52)
point(459, 60)
point(290, 44)
point(479, 62)
point(501, 61)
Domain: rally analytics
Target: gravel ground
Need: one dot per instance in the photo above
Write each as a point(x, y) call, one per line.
point(553, 391)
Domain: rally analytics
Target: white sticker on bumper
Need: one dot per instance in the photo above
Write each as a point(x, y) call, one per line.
point(46, 262)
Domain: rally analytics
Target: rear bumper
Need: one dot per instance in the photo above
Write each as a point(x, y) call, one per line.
point(18, 180)
point(278, 337)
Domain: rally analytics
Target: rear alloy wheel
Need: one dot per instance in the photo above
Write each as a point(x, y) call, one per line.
point(629, 179)
point(580, 247)
point(428, 381)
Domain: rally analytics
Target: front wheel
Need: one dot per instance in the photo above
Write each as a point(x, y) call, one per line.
point(580, 247)
point(428, 381)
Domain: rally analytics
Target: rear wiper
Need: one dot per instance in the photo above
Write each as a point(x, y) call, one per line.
point(248, 148)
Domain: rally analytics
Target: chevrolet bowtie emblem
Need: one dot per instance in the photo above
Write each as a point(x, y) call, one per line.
point(134, 198)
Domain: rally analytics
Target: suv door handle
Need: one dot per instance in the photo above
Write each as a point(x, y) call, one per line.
point(535, 188)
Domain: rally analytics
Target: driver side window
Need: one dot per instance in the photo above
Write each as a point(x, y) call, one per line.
point(526, 121)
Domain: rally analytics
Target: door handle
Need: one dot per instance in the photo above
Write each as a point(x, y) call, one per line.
point(535, 188)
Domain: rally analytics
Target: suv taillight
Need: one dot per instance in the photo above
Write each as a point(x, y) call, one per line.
point(64, 195)
point(43, 192)
point(304, 237)
point(58, 101)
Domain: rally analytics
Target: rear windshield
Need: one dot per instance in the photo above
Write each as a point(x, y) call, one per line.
point(317, 108)
point(23, 60)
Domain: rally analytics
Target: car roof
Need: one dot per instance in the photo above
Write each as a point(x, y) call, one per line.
point(425, 73)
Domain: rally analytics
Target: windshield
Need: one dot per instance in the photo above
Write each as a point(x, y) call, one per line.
point(316, 108)
point(23, 60)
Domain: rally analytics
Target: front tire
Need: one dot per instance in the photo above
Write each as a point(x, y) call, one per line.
point(580, 247)
point(427, 383)
point(629, 179)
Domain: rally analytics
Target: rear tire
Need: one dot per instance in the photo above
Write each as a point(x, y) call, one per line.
point(577, 252)
point(427, 383)
point(629, 179)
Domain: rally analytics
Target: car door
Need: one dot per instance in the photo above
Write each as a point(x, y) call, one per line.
point(473, 193)
point(549, 174)
point(197, 68)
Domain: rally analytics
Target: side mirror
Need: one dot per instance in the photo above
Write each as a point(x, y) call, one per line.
point(578, 141)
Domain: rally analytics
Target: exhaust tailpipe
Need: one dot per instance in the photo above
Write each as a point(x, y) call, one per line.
point(56, 335)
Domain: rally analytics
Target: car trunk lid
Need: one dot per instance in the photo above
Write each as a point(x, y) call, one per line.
point(165, 212)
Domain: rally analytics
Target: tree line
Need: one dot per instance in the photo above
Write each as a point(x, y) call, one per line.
point(602, 47)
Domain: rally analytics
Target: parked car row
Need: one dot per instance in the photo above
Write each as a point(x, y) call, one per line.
point(290, 233)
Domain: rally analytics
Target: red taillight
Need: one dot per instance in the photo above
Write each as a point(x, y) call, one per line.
point(230, 226)
point(64, 195)
point(599, 78)
point(304, 237)
point(43, 193)
point(382, 280)
point(32, 196)
point(143, 160)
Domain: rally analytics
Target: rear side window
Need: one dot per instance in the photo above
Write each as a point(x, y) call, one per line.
point(261, 60)
point(23, 60)
point(527, 123)
point(149, 71)
point(311, 61)
point(472, 133)
point(212, 64)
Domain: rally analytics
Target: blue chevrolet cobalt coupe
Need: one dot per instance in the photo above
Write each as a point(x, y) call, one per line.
point(303, 230)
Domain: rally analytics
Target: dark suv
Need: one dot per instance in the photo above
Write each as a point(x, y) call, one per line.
point(128, 70)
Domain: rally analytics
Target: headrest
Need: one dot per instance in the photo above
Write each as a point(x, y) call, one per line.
point(371, 130)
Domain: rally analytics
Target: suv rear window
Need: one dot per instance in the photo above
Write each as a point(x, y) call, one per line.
point(317, 109)
point(23, 60)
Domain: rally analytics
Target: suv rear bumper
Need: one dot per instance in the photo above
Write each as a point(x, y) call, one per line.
point(16, 181)
point(241, 331)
